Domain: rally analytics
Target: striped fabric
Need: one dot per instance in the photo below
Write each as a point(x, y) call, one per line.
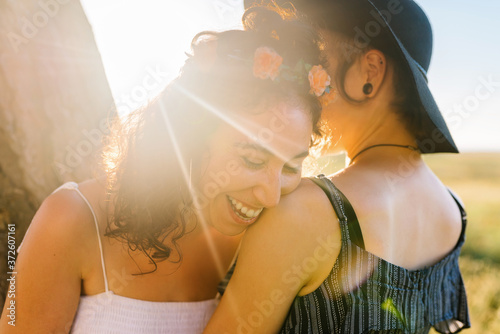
point(365, 294)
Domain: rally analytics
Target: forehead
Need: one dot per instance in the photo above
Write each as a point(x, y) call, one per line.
point(282, 127)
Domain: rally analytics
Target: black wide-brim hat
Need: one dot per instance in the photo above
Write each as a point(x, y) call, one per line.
point(404, 30)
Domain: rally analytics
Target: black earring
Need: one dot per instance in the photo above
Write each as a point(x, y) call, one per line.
point(367, 88)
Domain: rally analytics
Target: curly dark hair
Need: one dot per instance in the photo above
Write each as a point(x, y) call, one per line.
point(145, 155)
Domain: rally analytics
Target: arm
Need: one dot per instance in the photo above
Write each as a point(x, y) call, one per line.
point(48, 279)
point(274, 263)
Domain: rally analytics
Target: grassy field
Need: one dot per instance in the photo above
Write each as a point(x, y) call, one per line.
point(475, 177)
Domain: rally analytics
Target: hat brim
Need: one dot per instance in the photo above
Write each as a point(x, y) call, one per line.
point(438, 137)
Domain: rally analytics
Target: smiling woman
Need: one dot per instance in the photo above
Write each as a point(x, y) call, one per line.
point(143, 248)
point(275, 164)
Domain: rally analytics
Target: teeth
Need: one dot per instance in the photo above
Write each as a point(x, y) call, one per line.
point(244, 212)
point(258, 212)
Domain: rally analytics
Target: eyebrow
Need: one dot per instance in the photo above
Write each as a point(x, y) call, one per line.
point(264, 150)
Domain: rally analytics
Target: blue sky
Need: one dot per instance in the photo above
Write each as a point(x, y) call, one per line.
point(144, 42)
point(466, 49)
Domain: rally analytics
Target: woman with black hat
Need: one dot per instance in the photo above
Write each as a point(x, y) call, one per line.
point(390, 264)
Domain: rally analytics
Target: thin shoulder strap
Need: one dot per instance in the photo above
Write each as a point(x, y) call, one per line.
point(342, 207)
point(74, 186)
point(459, 203)
point(463, 213)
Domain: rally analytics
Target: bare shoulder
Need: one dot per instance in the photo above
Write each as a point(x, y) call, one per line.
point(51, 263)
point(348, 181)
point(307, 209)
point(63, 221)
point(418, 210)
point(367, 190)
point(302, 226)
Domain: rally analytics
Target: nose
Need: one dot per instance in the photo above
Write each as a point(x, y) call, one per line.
point(268, 189)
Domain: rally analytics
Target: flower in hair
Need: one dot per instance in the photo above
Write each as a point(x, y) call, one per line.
point(266, 63)
point(319, 80)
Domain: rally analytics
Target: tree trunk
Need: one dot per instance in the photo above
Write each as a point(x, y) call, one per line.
point(54, 105)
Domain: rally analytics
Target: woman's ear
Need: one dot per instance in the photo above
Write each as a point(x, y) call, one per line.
point(374, 66)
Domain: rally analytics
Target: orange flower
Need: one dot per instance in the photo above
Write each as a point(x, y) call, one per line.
point(266, 63)
point(319, 80)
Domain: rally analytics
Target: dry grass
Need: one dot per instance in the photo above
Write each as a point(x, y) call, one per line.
point(476, 178)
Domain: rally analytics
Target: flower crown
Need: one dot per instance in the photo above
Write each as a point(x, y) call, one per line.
point(268, 64)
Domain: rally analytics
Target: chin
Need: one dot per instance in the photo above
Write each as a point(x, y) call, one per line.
point(229, 229)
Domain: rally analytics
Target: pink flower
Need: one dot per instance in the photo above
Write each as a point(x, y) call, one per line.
point(266, 63)
point(319, 80)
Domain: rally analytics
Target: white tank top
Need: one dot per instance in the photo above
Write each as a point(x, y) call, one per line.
point(110, 313)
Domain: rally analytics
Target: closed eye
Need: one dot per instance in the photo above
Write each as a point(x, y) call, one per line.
point(291, 169)
point(253, 164)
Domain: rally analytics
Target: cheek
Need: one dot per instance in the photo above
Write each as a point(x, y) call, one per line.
point(227, 173)
point(216, 176)
point(289, 183)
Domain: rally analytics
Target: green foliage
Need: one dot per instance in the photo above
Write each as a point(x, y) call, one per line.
point(388, 305)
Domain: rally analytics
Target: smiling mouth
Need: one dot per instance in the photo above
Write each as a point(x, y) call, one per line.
point(242, 211)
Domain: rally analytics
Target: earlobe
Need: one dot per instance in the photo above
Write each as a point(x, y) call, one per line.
point(367, 88)
point(375, 63)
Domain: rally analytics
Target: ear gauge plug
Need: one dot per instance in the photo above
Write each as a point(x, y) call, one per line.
point(367, 88)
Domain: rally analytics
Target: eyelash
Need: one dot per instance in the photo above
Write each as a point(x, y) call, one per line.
point(287, 168)
point(251, 164)
point(292, 170)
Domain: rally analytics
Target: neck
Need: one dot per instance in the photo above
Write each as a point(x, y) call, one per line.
point(382, 131)
point(393, 146)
